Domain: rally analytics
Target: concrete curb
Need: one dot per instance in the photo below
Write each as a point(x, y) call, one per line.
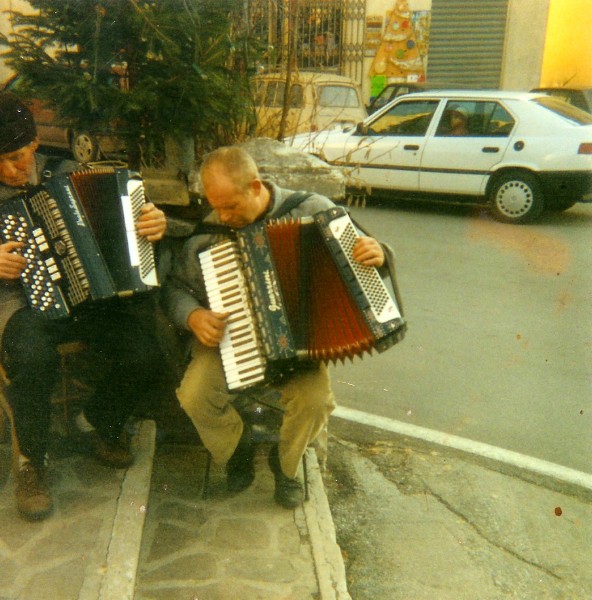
point(528, 468)
point(330, 569)
point(117, 570)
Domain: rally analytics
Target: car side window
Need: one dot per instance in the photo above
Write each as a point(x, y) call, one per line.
point(475, 119)
point(458, 120)
point(274, 95)
point(270, 93)
point(296, 96)
point(498, 122)
point(408, 118)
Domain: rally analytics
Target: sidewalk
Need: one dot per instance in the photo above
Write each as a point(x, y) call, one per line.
point(441, 526)
point(147, 533)
point(88, 548)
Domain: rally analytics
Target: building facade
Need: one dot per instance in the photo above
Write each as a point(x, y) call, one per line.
point(507, 44)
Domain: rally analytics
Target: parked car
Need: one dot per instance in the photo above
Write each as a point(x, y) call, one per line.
point(522, 152)
point(318, 101)
point(85, 146)
point(391, 91)
point(580, 97)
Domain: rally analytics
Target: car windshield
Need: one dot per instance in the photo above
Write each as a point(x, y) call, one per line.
point(565, 110)
point(338, 96)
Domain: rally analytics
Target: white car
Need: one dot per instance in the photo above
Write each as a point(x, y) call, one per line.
point(522, 153)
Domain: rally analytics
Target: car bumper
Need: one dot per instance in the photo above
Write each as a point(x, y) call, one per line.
point(574, 185)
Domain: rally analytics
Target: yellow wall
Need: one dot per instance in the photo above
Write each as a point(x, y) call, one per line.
point(567, 58)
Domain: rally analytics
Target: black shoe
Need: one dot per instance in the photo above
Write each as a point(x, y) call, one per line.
point(107, 452)
point(240, 469)
point(289, 493)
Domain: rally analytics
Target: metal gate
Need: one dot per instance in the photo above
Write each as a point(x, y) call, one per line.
point(467, 42)
point(328, 34)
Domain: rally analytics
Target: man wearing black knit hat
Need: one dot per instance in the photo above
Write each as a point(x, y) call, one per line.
point(29, 342)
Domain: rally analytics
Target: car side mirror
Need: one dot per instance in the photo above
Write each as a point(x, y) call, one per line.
point(361, 129)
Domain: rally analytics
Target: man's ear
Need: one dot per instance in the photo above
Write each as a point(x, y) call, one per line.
point(35, 144)
point(256, 185)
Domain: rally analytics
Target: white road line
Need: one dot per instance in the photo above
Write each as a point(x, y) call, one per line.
point(521, 461)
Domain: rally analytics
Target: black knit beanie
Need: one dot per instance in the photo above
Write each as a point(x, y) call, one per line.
point(17, 126)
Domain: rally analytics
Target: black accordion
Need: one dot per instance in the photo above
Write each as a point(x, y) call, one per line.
point(294, 294)
point(80, 239)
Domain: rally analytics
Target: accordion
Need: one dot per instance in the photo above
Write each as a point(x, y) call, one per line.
point(294, 293)
point(80, 239)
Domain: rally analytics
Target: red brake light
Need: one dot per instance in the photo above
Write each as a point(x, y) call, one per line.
point(585, 148)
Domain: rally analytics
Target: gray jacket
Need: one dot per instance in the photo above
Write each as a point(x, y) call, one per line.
point(12, 296)
point(183, 290)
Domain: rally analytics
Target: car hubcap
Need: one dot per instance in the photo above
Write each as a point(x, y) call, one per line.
point(514, 199)
point(83, 148)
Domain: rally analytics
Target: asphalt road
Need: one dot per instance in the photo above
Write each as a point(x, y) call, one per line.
point(499, 346)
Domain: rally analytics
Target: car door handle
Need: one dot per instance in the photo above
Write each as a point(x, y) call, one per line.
point(410, 147)
point(490, 149)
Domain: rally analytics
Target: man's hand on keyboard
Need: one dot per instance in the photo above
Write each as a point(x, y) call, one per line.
point(12, 263)
point(368, 251)
point(207, 326)
point(151, 223)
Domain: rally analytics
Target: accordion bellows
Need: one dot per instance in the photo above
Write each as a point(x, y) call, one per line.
point(294, 293)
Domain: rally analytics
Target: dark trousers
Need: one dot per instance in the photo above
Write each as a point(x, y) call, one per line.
point(29, 353)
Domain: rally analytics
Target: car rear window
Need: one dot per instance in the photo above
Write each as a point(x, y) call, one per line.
point(565, 110)
point(273, 95)
point(340, 96)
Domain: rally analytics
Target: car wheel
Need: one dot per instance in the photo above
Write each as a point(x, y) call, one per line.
point(84, 147)
point(516, 197)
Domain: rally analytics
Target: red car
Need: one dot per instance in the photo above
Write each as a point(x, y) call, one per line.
point(85, 146)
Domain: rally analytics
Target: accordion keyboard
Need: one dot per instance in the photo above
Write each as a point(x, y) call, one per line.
point(41, 274)
point(139, 246)
point(380, 302)
point(242, 358)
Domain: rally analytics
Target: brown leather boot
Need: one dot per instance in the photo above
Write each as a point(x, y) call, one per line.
point(33, 499)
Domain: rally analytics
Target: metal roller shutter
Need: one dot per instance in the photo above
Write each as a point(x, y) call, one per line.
point(467, 42)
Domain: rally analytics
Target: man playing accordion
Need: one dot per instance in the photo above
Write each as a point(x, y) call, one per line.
point(238, 198)
point(115, 330)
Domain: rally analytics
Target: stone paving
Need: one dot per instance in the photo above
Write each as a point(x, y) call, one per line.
point(148, 533)
point(76, 553)
point(220, 547)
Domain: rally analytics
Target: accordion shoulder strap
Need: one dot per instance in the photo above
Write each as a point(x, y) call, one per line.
point(50, 166)
point(291, 202)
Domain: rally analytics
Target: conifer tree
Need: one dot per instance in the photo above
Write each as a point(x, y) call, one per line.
point(156, 68)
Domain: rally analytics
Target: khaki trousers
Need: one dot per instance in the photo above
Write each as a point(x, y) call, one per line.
point(307, 399)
